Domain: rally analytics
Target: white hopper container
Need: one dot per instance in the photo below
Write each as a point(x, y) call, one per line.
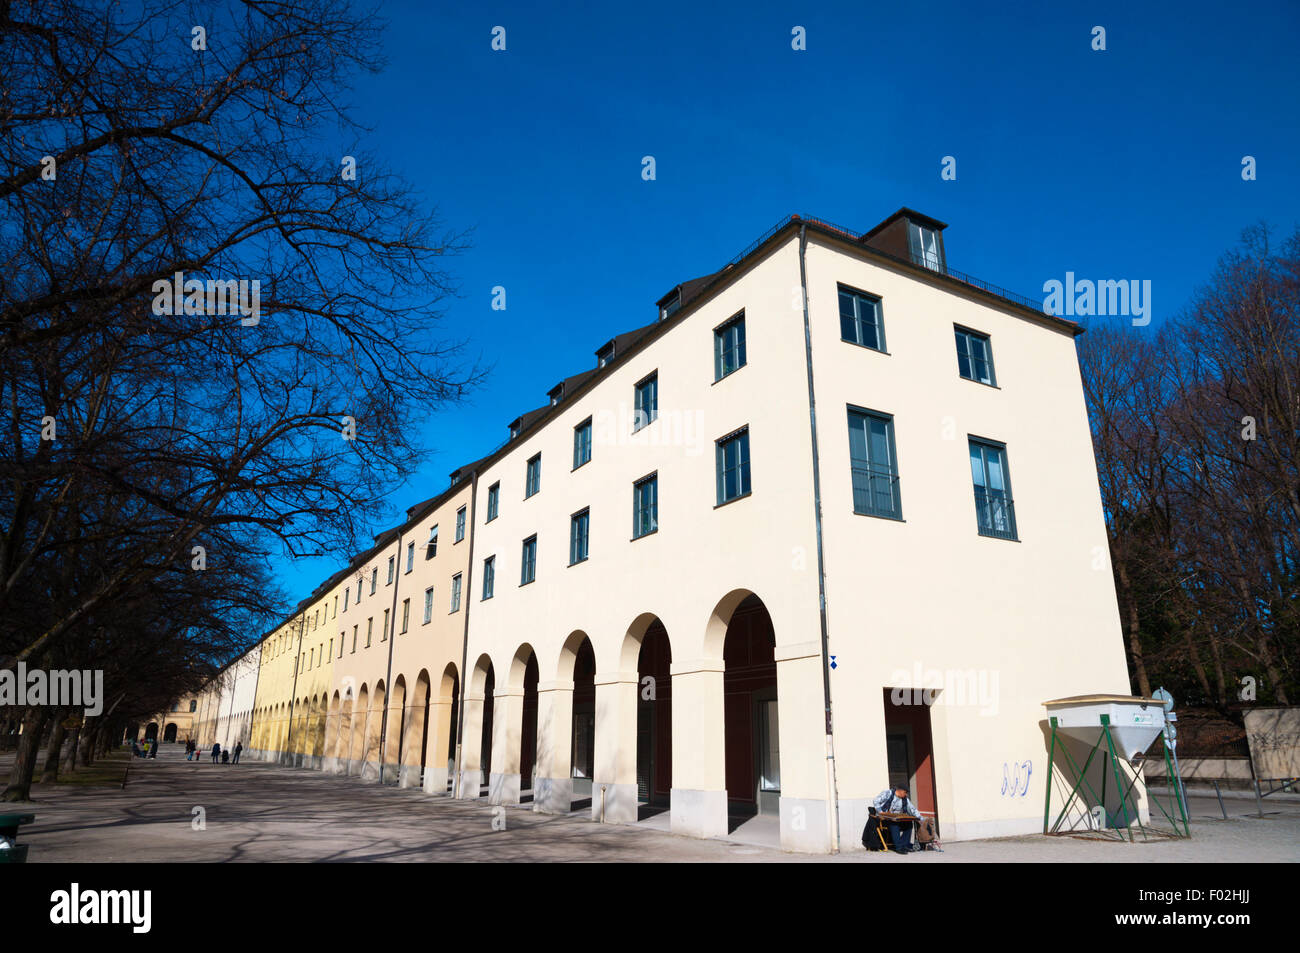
point(1134, 722)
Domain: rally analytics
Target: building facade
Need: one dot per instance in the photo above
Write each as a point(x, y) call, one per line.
point(829, 523)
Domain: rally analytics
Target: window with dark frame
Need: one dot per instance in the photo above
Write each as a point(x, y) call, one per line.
point(460, 524)
point(533, 476)
point(729, 347)
point(582, 443)
point(994, 508)
point(975, 356)
point(645, 506)
point(455, 594)
point(733, 466)
point(489, 576)
point(579, 525)
point(646, 402)
point(861, 321)
point(493, 501)
point(874, 464)
point(528, 566)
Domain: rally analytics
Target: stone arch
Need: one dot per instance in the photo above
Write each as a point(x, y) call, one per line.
point(476, 747)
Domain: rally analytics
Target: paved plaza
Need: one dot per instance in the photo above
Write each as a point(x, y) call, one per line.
point(256, 812)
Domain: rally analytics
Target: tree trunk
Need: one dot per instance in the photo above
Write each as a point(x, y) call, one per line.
point(1133, 626)
point(86, 743)
point(51, 772)
point(29, 747)
point(70, 760)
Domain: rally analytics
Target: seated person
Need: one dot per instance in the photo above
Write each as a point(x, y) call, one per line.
point(897, 802)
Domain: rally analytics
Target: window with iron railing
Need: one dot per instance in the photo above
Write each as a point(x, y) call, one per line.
point(994, 509)
point(874, 464)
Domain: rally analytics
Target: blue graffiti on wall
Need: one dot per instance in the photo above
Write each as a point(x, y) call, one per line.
point(1015, 778)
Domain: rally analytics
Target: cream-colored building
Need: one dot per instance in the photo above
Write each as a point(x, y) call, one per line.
point(891, 490)
point(828, 523)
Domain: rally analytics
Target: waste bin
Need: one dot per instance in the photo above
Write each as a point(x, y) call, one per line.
point(11, 852)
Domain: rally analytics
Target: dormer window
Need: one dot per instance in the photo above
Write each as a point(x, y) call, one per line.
point(557, 392)
point(671, 305)
point(925, 247)
point(514, 430)
point(605, 354)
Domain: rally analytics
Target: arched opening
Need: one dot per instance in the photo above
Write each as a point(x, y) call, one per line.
point(414, 733)
point(514, 739)
point(441, 722)
point(374, 728)
point(394, 731)
point(332, 735)
point(654, 722)
point(151, 731)
point(583, 751)
point(169, 733)
point(476, 746)
point(357, 749)
point(753, 766)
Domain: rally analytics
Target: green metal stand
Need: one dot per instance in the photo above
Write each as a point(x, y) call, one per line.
point(1124, 790)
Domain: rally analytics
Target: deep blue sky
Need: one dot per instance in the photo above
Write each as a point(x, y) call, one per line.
point(1117, 164)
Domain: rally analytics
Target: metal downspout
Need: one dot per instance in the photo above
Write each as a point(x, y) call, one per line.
point(388, 676)
point(464, 642)
point(831, 780)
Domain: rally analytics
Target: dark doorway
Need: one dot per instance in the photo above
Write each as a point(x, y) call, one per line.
point(654, 723)
point(450, 758)
point(909, 748)
point(151, 732)
point(169, 733)
point(485, 749)
point(753, 767)
point(528, 733)
point(584, 723)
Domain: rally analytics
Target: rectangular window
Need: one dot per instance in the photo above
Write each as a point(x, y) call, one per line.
point(392, 561)
point(994, 509)
point(860, 319)
point(431, 547)
point(331, 648)
point(729, 347)
point(579, 524)
point(489, 576)
point(383, 633)
point(924, 245)
point(975, 356)
point(874, 466)
point(410, 556)
point(733, 466)
point(359, 582)
point(347, 593)
point(428, 605)
point(645, 506)
point(311, 658)
point(406, 614)
point(374, 579)
point(336, 612)
point(455, 594)
point(370, 630)
point(582, 443)
point(494, 500)
point(460, 524)
point(354, 637)
point(647, 402)
point(533, 477)
point(528, 567)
